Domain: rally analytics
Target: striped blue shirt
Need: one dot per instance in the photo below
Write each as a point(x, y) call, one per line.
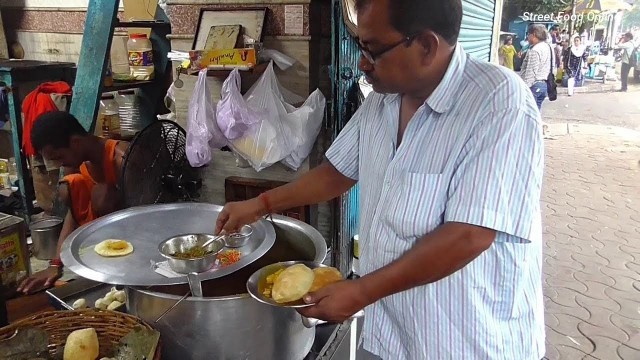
point(473, 153)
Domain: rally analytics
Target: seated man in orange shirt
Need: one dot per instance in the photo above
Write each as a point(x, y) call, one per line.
point(90, 192)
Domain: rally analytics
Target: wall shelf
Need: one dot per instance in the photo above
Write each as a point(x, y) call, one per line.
point(257, 70)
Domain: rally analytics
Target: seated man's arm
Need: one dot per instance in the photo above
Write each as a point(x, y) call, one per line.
point(46, 278)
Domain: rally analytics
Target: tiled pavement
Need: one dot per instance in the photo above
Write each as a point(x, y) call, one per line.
point(591, 206)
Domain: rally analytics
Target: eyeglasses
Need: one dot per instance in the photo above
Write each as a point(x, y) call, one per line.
point(373, 56)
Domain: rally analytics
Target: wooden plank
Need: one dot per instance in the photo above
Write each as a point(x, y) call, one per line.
point(4, 50)
point(26, 306)
point(96, 42)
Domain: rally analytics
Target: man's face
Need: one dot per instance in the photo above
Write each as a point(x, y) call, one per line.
point(397, 61)
point(65, 156)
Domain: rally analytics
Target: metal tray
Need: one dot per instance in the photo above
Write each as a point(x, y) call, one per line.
point(145, 227)
point(63, 297)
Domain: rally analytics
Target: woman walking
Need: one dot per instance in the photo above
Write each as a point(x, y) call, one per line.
point(574, 59)
point(507, 53)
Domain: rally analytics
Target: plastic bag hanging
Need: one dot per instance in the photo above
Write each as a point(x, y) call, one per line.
point(281, 131)
point(203, 133)
point(234, 117)
point(305, 128)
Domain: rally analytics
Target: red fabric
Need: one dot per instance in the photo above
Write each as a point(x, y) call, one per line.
point(37, 103)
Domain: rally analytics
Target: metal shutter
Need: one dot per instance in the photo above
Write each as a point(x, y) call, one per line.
point(477, 27)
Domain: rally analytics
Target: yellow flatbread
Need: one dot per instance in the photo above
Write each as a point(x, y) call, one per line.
point(292, 284)
point(325, 276)
point(113, 248)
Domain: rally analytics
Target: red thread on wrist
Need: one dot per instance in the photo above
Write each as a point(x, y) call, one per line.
point(56, 263)
point(265, 202)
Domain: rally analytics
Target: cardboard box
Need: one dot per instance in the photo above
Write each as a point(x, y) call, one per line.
point(201, 59)
point(14, 253)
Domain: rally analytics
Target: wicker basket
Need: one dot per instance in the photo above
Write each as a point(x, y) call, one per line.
point(111, 326)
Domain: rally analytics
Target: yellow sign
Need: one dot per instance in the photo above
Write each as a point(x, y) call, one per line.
point(232, 57)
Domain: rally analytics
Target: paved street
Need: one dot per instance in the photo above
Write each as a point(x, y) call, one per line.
point(591, 205)
point(612, 109)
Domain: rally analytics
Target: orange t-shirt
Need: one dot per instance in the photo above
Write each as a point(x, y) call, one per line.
point(81, 185)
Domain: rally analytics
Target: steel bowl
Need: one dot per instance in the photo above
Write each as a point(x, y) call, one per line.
point(240, 238)
point(184, 243)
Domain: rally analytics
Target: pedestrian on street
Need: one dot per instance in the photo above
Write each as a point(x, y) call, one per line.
point(448, 154)
point(575, 58)
point(627, 45)
point(507, 53)
point(563, 53)
point(537, 64)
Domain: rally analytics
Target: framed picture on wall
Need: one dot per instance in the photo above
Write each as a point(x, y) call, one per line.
point(251, 21)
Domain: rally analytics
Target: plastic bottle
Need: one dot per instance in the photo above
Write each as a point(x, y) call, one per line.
point(130, 118)
point(140, 57)
point(108, 117)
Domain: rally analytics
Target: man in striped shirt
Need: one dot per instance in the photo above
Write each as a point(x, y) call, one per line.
point(537, 64)
point(448, 153)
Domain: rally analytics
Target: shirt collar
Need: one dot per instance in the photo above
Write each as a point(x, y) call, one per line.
point(442, 97)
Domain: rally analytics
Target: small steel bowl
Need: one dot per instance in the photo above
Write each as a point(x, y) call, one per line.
point(240, 238)
point(183, 243)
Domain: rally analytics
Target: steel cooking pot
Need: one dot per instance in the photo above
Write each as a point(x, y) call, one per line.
point(234, 326)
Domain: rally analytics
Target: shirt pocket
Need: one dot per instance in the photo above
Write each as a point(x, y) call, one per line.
point(417, 206)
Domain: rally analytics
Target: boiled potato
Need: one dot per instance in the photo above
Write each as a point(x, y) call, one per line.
point(82, 345)
point(114, 305)
point(79, 304)
point(292, 284)
point(101, 304)
point(121, 296)
point(109, 297)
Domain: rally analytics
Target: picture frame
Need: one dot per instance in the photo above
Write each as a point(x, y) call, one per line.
point(251, 19)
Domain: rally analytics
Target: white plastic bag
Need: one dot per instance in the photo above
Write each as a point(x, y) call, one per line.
point(170, 104)
point(305, 127)
point(283, 61)
point(283, 130)
point(203, 133)
point(233, 115)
